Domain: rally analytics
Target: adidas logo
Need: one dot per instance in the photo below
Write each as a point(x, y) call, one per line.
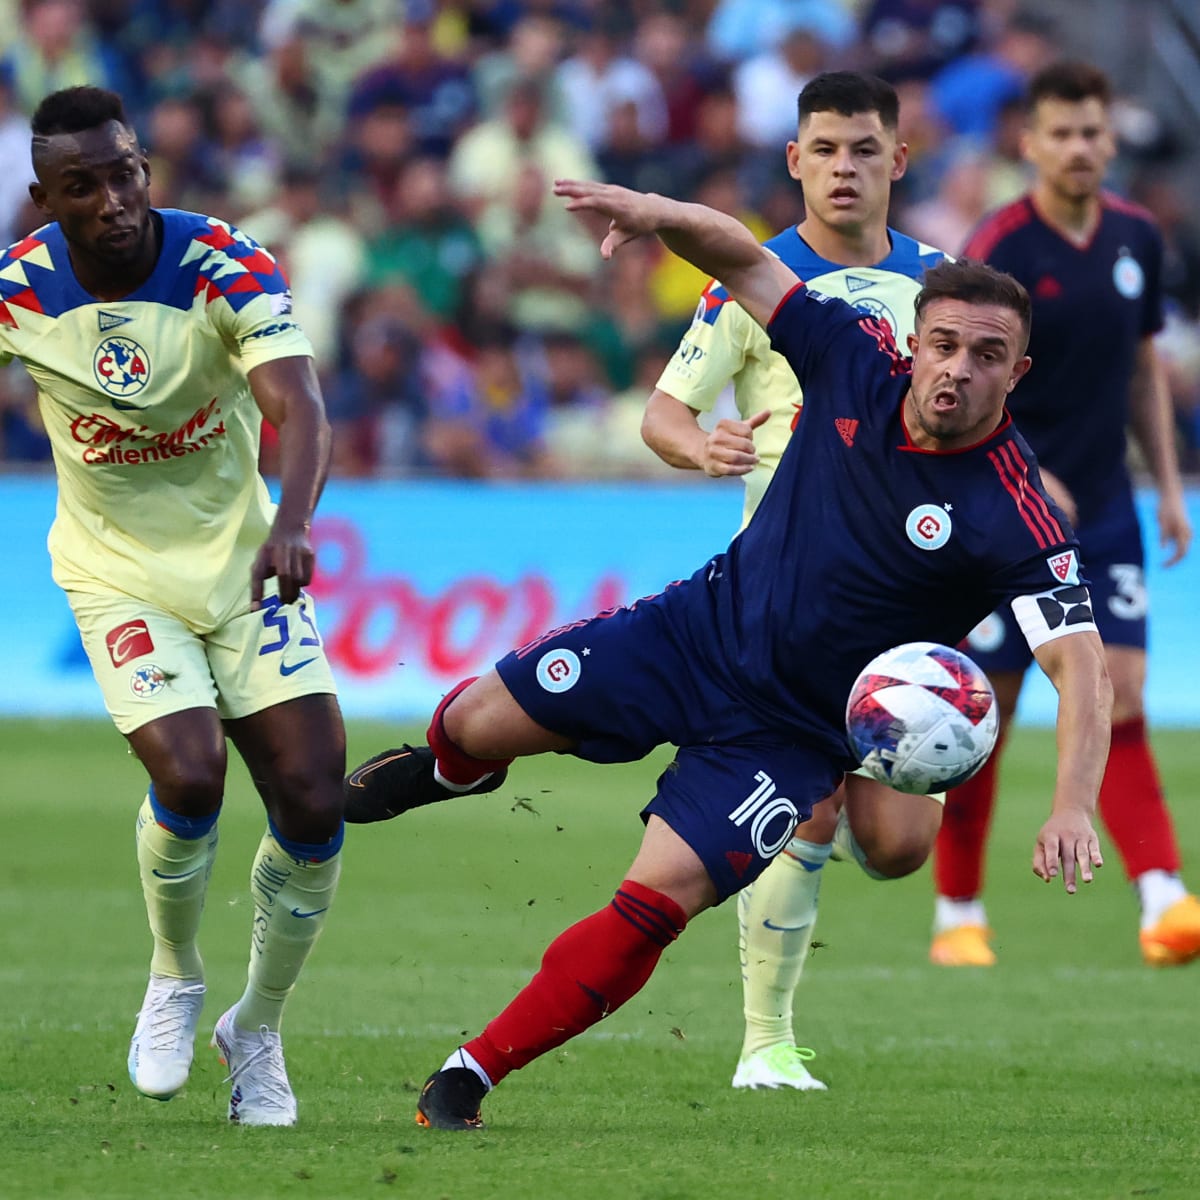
point(847, 427)
point(110, 320)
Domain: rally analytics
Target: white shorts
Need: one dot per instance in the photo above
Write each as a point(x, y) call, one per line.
point(149, 663)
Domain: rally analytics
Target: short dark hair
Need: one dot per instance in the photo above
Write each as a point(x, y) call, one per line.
point(75, 109)
point(1071, 81)
point(849, 93)
point(976, 283)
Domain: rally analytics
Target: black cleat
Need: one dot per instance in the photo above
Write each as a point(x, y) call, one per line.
point(395, 781)
point(450, 1100)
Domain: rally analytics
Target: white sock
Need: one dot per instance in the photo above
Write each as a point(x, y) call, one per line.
point(950, 914)
point(1157, 891)
point(464, 1058)
point(776, 916)
point(458, 787)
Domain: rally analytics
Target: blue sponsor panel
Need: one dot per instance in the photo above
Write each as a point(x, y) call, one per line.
point(422, 584)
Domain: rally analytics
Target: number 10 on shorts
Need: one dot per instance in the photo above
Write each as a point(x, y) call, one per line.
point(762, 808)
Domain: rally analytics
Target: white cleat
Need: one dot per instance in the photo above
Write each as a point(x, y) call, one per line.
point(160, 1053)
point(261, 1093)
point(780, 1066)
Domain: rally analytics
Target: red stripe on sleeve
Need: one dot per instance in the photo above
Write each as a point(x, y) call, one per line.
point(1012, 488)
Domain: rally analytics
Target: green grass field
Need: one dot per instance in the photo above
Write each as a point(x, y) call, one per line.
point(1070, 1070)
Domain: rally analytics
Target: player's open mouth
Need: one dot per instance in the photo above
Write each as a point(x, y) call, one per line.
point(843, 196)
point(120, 237)
point(944, 401)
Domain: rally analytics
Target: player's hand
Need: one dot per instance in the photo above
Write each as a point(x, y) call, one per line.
point(631, 214)
point(1174, 528)
point(287, 556)
point(1068, 839)
point(729, 448)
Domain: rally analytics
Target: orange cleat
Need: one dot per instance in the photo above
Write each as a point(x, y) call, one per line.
point(1174, 939)
point(963, 946)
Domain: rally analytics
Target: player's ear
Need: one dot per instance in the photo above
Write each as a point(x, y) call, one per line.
point(793, 160)
point(914, 341)
point(37, 194)
point(1019, 371)
point(899, 161)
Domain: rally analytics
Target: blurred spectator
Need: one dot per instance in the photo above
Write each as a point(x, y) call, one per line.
point(532, 52)
point(173, 137)
point(717, 145)
point(486, 161)
point(923, 131)
point(489, 423)
point(628, 159)
point(970, 92)
point(436, 92)
point(665, 45)
point(675, 284)
point(295, 110)
point(547, 263)
point(23, 437)
point(948, 218)
point(1179, 341)
point(739, 29)
point(1008, 174)
point(915, 38)
point(590, 432)
point(17, 215)
point(237, 152)
point(600, 78)
point(324, 256)
point(56, 47)
point(344, 37)
point(377, 405)
point(379, 145)
point(766, 86)
point(427, 244)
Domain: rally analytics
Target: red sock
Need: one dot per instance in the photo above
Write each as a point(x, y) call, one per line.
point(587, 972)
point(457, 766)
point(962, 840)
point(1132, 805)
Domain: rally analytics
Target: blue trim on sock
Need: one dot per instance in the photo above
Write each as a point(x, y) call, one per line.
point(309, 851)
point(188, 828)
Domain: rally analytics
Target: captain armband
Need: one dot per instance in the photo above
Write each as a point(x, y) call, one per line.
point(1053, 614)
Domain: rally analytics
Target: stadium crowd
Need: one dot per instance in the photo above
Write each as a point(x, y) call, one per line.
point(397, 155)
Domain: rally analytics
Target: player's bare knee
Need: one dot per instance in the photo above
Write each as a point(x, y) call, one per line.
point(191, 789)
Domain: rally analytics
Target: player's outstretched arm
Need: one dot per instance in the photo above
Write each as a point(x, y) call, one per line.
point(1153, 425)
point(289, 396)
point(1075, 665)
point(719, 245)
point(671, 429)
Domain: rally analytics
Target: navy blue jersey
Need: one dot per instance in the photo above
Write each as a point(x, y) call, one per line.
point(1092, 306)
point(863, 541)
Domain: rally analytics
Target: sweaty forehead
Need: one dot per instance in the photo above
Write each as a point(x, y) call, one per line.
point(837, 127)
point(973, 321)
point(88, 149)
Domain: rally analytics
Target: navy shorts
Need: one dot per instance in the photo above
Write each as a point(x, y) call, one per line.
point(1110, 547)
point(628, 680)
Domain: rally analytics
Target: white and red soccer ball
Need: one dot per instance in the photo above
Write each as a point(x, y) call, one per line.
point(922, 718)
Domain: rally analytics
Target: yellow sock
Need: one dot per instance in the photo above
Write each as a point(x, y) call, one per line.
point(291, 898)
point(776, 916)
point(174, 873)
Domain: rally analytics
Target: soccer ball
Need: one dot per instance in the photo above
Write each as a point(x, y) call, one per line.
point(922, 718)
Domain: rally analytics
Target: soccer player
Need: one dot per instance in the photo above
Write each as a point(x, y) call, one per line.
point(1093, 266)
point(931, 513)
point(159, 340)
point(846, 156)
